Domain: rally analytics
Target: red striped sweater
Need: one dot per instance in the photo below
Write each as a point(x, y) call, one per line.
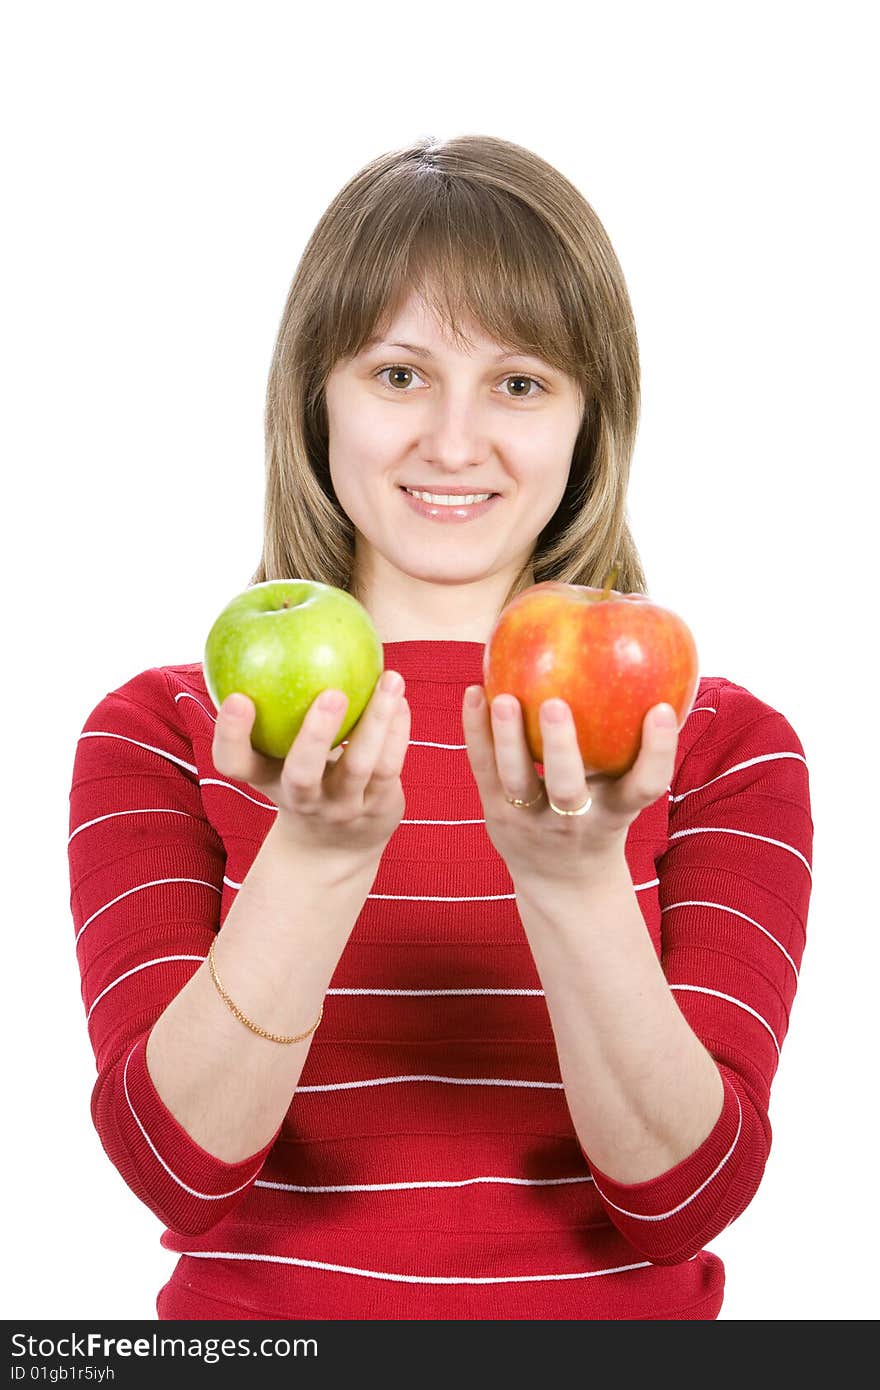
point(427, 1166)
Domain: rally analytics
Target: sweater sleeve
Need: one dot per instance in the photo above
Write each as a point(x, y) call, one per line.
point(146, 878)
point(734, 890)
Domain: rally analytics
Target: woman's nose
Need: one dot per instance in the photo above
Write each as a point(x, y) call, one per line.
point(455, 432)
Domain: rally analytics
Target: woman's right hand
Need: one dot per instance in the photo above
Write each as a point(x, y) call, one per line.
point(346, 798)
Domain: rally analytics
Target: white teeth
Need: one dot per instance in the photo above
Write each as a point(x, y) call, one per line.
point(445, 500)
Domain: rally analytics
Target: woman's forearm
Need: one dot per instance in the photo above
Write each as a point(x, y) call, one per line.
point(275, 955)
point(642, 1090)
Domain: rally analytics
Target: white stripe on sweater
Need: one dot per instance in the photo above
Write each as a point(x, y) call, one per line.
point(395, 992)
point(476, 820)
point(185, 695)
point(430, 898)
point(444, 1080)
point(411, 897)
point(139, 811)
point(410, 1278)
point(663, 1215)
point(159, 960)
point(425, 898)
point(401, 1186)
point(269, 806)
point(722, 907)
point(220, 782)
point(702, 989)
point(737, 767)
point(138, 888)
point(749, 835)
point(207, 1196)
point(163, 753)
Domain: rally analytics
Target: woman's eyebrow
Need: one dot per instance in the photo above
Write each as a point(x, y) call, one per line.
point(419, 351)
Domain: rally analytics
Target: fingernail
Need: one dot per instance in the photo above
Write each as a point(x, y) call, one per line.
point(391, 683)
point(473, 697)
point(664, 717)
point(555, 711)
point(234, 705)
point(331, 700)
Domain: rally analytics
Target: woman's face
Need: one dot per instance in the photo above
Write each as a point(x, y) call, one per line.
point(414, 411)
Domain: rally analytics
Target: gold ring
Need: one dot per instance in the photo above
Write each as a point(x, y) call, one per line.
point(581, 810)
point(514, 801)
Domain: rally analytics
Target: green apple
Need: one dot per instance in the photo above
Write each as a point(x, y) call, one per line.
point(284, 641)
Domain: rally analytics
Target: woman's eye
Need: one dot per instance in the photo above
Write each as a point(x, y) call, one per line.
point(399, 372)
point(524, 395)
point(395, 371)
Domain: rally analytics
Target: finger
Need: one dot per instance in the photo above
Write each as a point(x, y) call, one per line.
point(231, 751)
point(564, 777)
point(357, 767)
point(655, 764)
point(305, 764)
point(389, 763)
point(516, 767)
point(651, 773)
point(476, 723)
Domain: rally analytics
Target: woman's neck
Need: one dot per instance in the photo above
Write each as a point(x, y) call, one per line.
point(434, 616)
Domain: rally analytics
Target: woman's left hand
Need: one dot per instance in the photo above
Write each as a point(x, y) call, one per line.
point(535, 841)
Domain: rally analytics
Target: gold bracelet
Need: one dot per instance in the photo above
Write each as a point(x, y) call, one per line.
point(273, 1037)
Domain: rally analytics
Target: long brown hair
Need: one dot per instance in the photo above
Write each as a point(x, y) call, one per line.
point(487, 232)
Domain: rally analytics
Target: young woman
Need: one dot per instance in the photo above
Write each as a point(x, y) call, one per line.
point(404, 1030)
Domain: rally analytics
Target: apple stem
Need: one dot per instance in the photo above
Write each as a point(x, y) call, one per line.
point(609, 582)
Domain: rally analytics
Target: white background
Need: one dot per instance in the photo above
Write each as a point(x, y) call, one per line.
point(164, 165)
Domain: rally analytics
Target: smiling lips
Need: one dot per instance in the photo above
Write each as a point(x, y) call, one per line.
point(450, 507)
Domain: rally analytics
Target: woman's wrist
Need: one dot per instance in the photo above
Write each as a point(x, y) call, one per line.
point(327, 865)
point(597, 867)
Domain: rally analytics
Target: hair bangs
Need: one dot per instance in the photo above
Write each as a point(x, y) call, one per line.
point(475, 256)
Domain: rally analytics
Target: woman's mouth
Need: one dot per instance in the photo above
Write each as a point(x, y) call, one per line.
point(449, 507)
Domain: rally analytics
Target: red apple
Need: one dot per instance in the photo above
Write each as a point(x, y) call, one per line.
point(610, 656)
